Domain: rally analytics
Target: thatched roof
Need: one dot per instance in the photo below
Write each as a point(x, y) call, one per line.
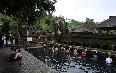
point(109, 23)
point(82, 30)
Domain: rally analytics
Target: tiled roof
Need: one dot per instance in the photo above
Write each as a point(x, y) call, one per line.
point(82, 29)
point(111, 22)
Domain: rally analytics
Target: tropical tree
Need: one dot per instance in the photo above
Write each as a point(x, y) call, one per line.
point(26, 11)
point(74, 24)
point(90, 24)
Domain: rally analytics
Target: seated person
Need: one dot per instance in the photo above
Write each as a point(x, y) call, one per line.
point(18, 57)
point(75, 52)
point(12, 56)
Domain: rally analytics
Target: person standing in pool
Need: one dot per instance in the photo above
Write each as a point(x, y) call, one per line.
point(83, 54)
point(108, 60)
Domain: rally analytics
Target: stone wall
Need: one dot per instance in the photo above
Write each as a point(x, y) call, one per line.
point(32, 65)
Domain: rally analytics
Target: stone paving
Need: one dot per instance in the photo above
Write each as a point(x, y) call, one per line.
point(7, 66)
point(30, 64)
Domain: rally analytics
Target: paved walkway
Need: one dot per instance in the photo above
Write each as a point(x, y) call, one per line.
point(5, 65)
point(30, 64)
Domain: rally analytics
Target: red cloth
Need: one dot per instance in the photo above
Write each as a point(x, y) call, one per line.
point(83, 54)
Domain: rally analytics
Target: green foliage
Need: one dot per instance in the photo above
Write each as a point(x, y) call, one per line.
point(45, 26)
point(13, 23)
point(75, 24)
point(89, 23)
point(67, 29)
point(26, 11)
point(3, 18)
point(113, 31)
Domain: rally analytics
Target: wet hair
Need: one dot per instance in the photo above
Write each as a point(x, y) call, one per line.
point(13, 49)
point(19, 50)
point(79, 55)
point(55, 46)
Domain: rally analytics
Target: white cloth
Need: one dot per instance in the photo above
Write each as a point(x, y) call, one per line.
point(4, 42)
point(18, 55)
point(13, 41)
point(108, 60)
point(3, 37)
point(68, 51)
point(9, 42)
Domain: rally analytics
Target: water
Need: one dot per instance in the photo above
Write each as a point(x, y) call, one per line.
point(74, 65)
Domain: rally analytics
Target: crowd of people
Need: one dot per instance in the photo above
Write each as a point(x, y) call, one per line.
point(10, 39)
point(78, 53)
point(67, 51)
point(15, 51)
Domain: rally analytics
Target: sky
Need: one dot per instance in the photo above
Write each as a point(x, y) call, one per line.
point(80, 9)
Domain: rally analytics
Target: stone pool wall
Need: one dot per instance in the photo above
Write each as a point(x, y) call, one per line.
point(32, 65)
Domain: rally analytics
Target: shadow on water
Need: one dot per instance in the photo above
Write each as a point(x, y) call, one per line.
point(62, 65)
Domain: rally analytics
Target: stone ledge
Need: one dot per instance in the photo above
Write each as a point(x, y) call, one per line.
point(32, 65)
